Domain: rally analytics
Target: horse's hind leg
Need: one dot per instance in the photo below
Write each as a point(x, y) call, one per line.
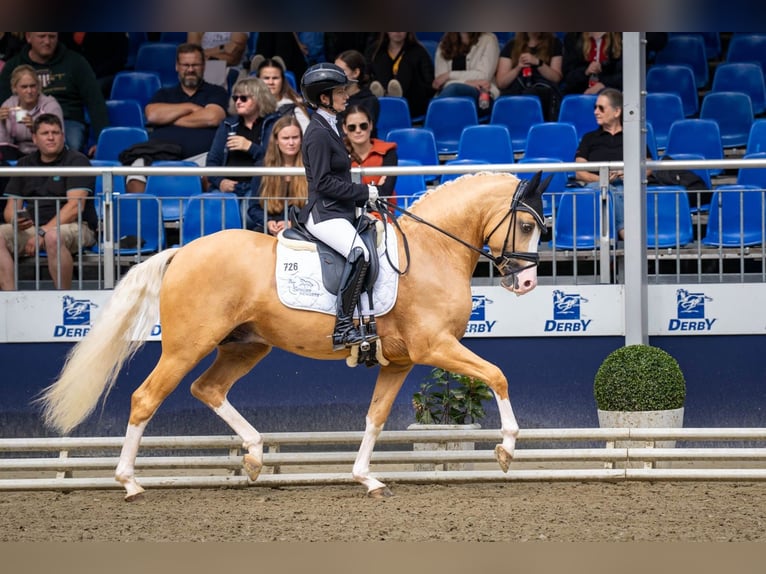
point(233, 361)
point(387, 386)
point(145, 401)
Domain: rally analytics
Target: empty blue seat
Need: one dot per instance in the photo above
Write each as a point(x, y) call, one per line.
point(173, 190)
point(668, 216)
point(408, 186)
point(556, 186)
point(756, 141)
point(207, 213)
point(445, 177)
point(489, 143)
point(158, 57)
point(135, 39)
point(125, 113)
point(139, 86)
point(686, 50)
point(651, 141)
point(518, 114)
point(577, 224)
point(745, 77)
point(137, 224)
point(552, 139)
point(416, 144)
point(712, 41)
point(748, 48)
point(677, 80)
point(662, 109)
point(696, 136)
point(753, 175)
point(447, 117)
point(431, 46)
point(394, 114)
point(112, 141)
point(733, 113)
point(737, 216)
point(577, 109)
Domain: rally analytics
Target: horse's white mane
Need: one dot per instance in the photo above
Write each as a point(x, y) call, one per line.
point(454, 181)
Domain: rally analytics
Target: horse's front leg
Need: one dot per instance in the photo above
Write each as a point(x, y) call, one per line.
point(450, 355)
point(387, 386)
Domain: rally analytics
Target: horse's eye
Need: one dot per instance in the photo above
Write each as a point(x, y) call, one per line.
point(527, 227)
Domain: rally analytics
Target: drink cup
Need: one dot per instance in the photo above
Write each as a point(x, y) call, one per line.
point(20, 115)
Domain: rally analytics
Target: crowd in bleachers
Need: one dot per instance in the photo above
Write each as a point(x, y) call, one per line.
point(441, 98)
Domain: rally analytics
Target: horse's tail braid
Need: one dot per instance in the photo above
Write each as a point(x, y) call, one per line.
point(92, 366)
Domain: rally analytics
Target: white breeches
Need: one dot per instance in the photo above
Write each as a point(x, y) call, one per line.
point(339, 234)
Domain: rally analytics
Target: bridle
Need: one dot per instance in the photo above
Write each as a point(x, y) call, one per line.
point(506, 261)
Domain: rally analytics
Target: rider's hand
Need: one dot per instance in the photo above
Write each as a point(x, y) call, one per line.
point(373, 196)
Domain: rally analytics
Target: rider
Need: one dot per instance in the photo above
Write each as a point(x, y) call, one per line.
point(331, 212)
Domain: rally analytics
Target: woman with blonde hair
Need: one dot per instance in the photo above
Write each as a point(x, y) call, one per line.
point(592, 62)
point(241, 137)
point(279, 192)
point(18, 113)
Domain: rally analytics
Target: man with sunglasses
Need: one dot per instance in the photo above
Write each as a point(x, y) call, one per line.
point(187, 114)
point(605, 144)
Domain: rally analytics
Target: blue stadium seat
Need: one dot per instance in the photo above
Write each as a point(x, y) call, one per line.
point(408, 186)
point(173, 190)
point(137, 224)
point(556, 186)
point(431, 46)
point(112, 141)
point(651, 141)
point(207, 213)
point(445, 177)
point(518, 114)
point(754, 175)
point(394, 114)
point(696, 136)
point(712, 41)
point(125, 113)
point(447, 117)
point(135, 39)
point(139, 86)
point(577, 109)
point(118, 183)
point(743, 77)
point(578, 220)
point(748, 48)
point(489, 143)
point(158, 57)
point(677, 80)
point(733, 113)
point(687, 50)
point(416, 144)
point(173, 37)
point(756, 141)
point(736, 216)
point(662, 109)
point(668, 216)
point(552, 139)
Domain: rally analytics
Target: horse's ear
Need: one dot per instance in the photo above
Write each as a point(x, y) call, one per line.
point(544, 185)
point(535, 181)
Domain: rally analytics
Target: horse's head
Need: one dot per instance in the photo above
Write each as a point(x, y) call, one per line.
point(517, 235)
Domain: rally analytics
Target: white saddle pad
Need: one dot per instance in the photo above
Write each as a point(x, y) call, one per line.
point(299, 277)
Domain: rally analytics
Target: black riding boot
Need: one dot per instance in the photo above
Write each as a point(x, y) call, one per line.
point(346, 333)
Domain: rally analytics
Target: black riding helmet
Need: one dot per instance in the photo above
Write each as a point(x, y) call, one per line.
point(319, 79)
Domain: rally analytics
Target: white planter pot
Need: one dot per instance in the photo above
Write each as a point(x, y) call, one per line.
point(444, 445)
point(673, 418)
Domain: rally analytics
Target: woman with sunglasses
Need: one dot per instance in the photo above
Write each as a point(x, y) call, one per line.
point(367, 151)
point(242, 137)
point(331, 212)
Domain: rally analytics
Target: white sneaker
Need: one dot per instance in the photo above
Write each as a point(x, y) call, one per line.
point(395, 89)
point(377, 88)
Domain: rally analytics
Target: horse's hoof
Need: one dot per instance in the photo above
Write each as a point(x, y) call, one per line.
point(382, 492)
point(135, 495)
point(503, 458)
point(252, 466)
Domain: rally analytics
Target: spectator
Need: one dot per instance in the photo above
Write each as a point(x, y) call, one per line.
point(314, 46)
point(367, 151)
point(241, 138)
point(354, 65)
point(592, 62)
point(106, 52)
point(69, 78)
point(278, 193)
point(17, 113)
point(404, 67)
point(465, 66)
point(272, 72)
point(605, 144)
point(226, 49)
point(186, 115)
point(287, 46)
point(71, 223)
point(330, 214)
point(531, 64)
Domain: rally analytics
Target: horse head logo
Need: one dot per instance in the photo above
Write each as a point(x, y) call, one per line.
point(76, 311)
point(691, 304)
point(567, 305)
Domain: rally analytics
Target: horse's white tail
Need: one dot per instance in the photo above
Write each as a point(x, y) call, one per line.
point(93, 364)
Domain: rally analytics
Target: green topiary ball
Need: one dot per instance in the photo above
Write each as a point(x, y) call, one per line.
point(639, 378)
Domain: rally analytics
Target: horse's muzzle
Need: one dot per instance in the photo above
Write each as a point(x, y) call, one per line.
point(521, 282)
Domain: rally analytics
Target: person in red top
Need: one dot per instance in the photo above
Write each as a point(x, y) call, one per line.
point(367, 151)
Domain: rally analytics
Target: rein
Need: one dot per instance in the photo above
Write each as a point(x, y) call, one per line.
point(502, 261)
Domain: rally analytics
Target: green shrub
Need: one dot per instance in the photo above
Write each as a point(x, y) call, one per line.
point(639, 378)
point(449, 398)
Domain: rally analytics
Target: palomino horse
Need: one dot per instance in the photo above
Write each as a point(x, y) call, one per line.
point(234, 300)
